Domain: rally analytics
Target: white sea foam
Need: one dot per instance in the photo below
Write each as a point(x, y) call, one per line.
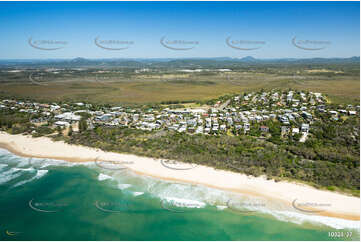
point(123, 186)
point(288, 214)
point(300, 218)
point(24, 169)
point(39, 174)
point(13, 173)
point(10, 158)
point(103, 177)
point(2, 166)
point(136, 194)
point(183, 192)
point(220, 207)
point(180, 202)
point(187, 195)
point(39, 163)
point(22, 162)
point(43, 163)
point(9, 175)
point(191, 192)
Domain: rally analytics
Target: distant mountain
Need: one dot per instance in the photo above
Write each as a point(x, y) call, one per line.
point(79, 60)
point(248, 59)
point(217, 62)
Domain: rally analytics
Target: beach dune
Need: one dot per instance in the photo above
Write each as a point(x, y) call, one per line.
point(299, 196)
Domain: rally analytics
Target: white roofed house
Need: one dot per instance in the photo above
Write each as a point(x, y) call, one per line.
point(148, 126)
point(98, 113)
point(275, 96)
point(192, 122)
point(208, 122)
point(173, 127)
point(303, 96)
point(246, 127)
point(333, 112)
point(230, 121)
point(105, 117)
point(238, 126)
point(215, 128)
point(182, 129)
point(289, 97)
point(306, 115)
point(284, 120)
point(199, 130)
point(116, 108)
point(159, 122)
point(251, 117)
point(69, 117)
point(148, 117)
point(285, 130)
point(334, 115)
point(305, 128)
point(264, 128)
point(317, 94)
point(197, 111)
point(296, 102)
point(295, 131)
point(62, 123)
point(54, 107)
point(290, 116)
point(259, 118)
point(272, 116)
point(265, 117)
point(135, 117)
point(114, 122)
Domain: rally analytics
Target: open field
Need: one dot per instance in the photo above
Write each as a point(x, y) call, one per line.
point(130, 88)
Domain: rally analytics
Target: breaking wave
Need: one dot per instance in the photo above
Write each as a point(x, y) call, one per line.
point(177, 194)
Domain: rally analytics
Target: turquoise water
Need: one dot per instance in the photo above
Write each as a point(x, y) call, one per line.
point(54, 200)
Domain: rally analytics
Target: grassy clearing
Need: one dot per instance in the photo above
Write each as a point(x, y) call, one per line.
point(140, 89)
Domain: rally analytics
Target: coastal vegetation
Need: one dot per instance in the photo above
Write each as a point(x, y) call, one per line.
point(324, 161)
point(328, 159)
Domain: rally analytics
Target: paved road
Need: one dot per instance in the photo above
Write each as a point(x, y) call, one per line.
point(225, 104)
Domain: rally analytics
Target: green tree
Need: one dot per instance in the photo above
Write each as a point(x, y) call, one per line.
point(70, 132)
point(83, 126)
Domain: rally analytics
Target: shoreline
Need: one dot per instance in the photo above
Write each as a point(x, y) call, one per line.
point(342, 206)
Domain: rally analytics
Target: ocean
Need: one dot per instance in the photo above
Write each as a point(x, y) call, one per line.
point(45, 199)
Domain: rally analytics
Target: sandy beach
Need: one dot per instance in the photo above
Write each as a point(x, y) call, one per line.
point(333, 204)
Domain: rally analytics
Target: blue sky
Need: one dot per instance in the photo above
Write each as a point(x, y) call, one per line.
point(209, 24)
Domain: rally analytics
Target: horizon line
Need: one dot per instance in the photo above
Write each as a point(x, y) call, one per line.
point(181, 58)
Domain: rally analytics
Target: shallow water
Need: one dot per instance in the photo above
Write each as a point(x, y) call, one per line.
point(45, 199)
